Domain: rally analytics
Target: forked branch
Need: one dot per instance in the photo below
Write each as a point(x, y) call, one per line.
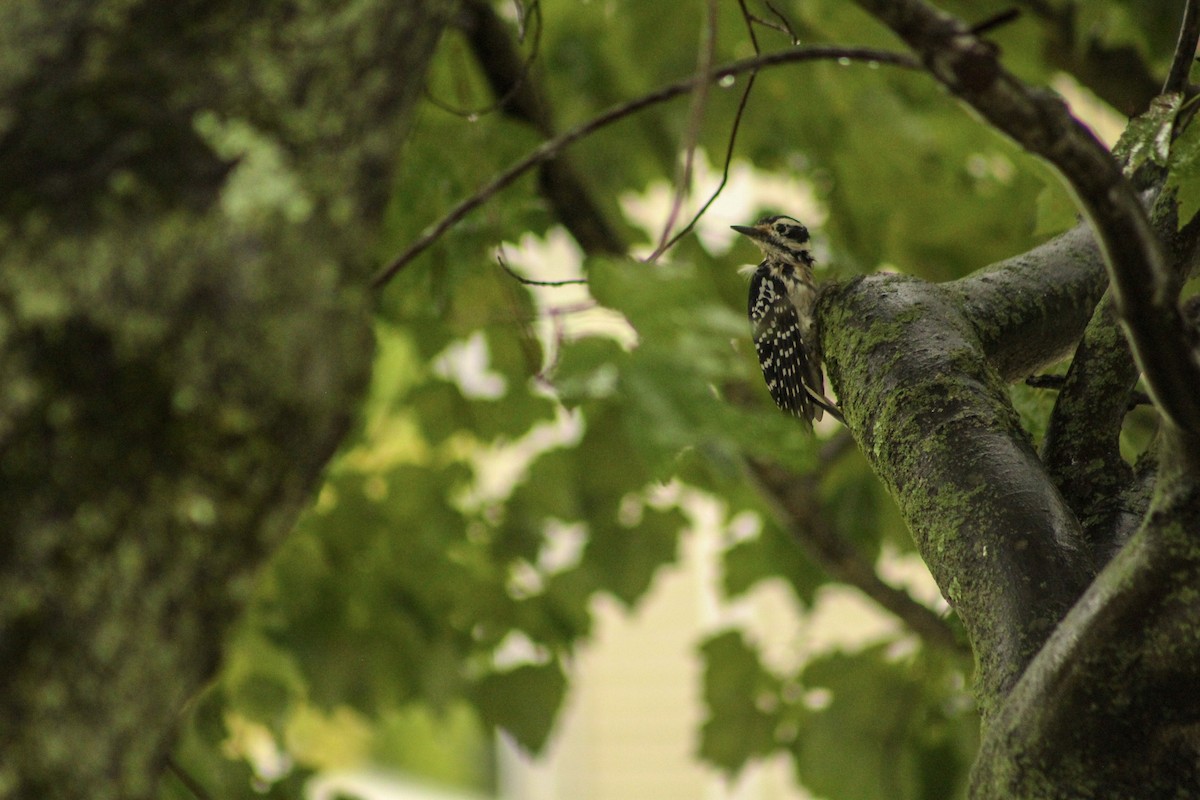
point(1144, 288)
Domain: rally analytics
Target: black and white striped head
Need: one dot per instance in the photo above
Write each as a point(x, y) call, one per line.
point(780, 238)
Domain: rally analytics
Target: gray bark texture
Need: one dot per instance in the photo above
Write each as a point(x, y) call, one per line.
point(189, 199)
point(1086, 663)
point(1075, 575)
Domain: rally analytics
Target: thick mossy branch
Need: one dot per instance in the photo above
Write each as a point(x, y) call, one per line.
point(1109, 707)
point(1082, 446)
point(1144, 288)
point(933, 417)
point(1028, 310)
point(189, 205)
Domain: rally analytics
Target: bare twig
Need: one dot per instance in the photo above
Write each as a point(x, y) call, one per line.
point(691, 135)
point(996, 21)
point(528, 282)
point(733, 132)
point(750, 19)
point(785, 25)
point(1057, 382)
point(552, 147)
point(523, 16)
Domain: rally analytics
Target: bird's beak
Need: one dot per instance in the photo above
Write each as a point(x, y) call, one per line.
point(746, 230)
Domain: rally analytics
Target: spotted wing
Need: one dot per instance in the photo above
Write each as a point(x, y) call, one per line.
point(785, 361)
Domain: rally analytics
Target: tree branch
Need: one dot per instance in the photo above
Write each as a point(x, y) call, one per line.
point(932, 415)
point(1018, 307)
point(1111, 700)
point(1082, 445)
point(518, 96)
point(796, 498)
point(1185, 50)
point(1082, 450)
point(1144, 288)
point(553, 147)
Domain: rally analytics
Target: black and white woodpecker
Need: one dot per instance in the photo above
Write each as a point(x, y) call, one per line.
point(782, 300)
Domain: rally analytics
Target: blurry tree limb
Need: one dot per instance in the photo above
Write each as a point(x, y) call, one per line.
point(514, 82)
point(181, 354)
point(1117, 74)
point(797, 501)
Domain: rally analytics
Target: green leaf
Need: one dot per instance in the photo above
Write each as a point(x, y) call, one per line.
point(773, 553)
point(588, 370)
point(524, 701)
point(1185, 172)
point(1056, 211)
point(885, 730)
point(743, 700)
point(626, 558)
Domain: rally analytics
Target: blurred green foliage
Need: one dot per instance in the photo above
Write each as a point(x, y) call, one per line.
point(393, 609)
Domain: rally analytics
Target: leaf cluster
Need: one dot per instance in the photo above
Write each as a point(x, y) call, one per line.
point(413, 580)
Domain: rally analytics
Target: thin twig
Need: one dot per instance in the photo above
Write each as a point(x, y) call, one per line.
point(785, 25)
point(750, 19)
point(522, 16)
point(733, 132)
point(692, 133)
point(529, 282)
point(1056, 383)
point(552, 147)
point(185, 777)
point(995, 21)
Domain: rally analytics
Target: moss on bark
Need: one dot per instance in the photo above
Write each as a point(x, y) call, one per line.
point(191, 198)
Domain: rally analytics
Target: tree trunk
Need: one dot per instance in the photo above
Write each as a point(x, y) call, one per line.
point(1086, 682)
point(191, 194)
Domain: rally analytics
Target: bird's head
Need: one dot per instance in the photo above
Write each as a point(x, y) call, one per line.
point(780, 238)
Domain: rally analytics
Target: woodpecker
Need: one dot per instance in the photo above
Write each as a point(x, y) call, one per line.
point(782, 297)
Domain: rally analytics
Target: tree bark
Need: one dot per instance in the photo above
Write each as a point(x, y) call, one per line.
point(191, 194)
point(1086, 682)
point(917, 367)
point(1086, 686)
